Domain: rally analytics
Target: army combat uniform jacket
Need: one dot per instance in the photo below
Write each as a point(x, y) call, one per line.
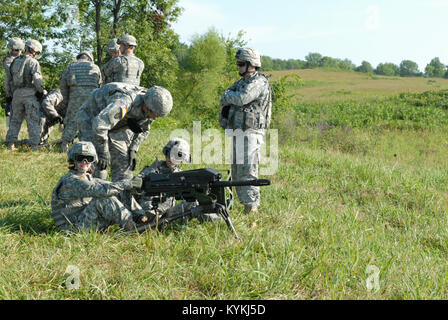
point(127, 68)
point(81, 201)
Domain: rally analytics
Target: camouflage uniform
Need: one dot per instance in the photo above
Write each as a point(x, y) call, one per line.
point(248, 104)
point(104, 120)
point(77, 81)
point(6, 63)
point(51, 109)
point(25, 104)
point(80, 201)
point(127, 68)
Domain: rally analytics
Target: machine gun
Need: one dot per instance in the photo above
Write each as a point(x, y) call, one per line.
point(202, 185)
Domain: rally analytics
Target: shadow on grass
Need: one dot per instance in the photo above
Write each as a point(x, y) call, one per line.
point(16, 216)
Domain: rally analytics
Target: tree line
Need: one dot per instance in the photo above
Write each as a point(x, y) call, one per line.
point(407, 68)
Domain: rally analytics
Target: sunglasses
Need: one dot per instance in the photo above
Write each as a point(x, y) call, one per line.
point(81, 158)
point(241, 64)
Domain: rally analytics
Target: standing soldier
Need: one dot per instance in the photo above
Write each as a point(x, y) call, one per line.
point(246, 108)
point(51, 113)
point(16, 46)
point(127, 67)
point(25, 86)
point(77, 81)
point(114, 51)
point(117, 118)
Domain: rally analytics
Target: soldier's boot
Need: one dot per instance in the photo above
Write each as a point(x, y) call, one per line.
point(35, 147)
point(11, 146)
point(249, 209)
point(129, 225)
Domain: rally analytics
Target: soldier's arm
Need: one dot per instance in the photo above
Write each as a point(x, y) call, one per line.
point(245, 94)
point(116, 109)
point(8, 83)
point(63, 86)
point(96, 188)
point(49, 106)
point(37, 76)
point(139, 138)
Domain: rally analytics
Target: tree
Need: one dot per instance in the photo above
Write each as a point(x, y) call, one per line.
point(313, 60)
point(387, 69)
point(409, 68)
point(328, 62)
point(365, 67)
point(435, 68)
point(346, 64)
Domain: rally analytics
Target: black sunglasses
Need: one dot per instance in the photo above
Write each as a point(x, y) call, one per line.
point(81, 158)
point(241, 64)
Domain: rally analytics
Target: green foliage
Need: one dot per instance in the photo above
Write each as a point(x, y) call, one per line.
point(409, 68)
point(387, 69)
point(435, 69)
point(365, 67)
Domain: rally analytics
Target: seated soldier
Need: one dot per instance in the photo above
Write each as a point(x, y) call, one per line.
point(176, 152)
point(80, 201)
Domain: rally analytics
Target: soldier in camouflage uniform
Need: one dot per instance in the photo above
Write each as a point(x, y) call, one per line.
point(176, 152)
point(113, 48)
point(25, 85)
point(126, 68)
point(117, 118)
point(77, 81)
point(80, 201)
point(52, 112)
point(16, 45)
point(246, 111)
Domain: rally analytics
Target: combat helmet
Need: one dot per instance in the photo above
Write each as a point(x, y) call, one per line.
point(178, 150)
point(82, 148)
point(113, 46)
point(34, 45)
point(88, 54)
point(250, 55)
point(127, 39)
point(158, 100)
point(16, 44)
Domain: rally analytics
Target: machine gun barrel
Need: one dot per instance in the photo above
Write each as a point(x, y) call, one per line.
point(244, 183)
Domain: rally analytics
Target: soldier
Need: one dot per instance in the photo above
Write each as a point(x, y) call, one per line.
point(25, 85)
point(80, 201)
point(77, 81)
point(127, 67)
point(114, 51)
point(52, 112)
point(117, 118)
point(246, 110)
point(176, 152)
point(16, 46)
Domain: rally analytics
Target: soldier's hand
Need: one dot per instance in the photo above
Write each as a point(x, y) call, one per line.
point(59, 120)
point(8, 100)
point(132, 160)
point(137, 182)
point(102, 162)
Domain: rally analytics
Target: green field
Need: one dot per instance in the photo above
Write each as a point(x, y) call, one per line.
point(357, 210)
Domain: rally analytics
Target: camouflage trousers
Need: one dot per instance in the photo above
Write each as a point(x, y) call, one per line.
point(24, 106)
point(77, 97)
point(245, 159)
point(102, 213)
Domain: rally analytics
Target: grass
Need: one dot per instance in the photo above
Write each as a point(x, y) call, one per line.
point(357, 185)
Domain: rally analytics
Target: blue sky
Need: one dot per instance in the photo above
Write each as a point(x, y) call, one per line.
point(375, 31)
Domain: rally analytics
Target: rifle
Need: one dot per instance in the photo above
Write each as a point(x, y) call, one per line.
point(202, 185)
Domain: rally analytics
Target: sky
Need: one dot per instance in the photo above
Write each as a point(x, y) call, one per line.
point(375, 31)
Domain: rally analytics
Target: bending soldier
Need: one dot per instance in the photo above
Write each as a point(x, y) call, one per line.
point(117, 118)
point(126, 68)
point(77, 81)
point(246, 114)
point(16, 46)
point(25, 86)
point(80, 201)
point(52, 112)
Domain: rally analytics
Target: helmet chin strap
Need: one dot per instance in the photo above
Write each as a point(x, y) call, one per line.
point(247, 70)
